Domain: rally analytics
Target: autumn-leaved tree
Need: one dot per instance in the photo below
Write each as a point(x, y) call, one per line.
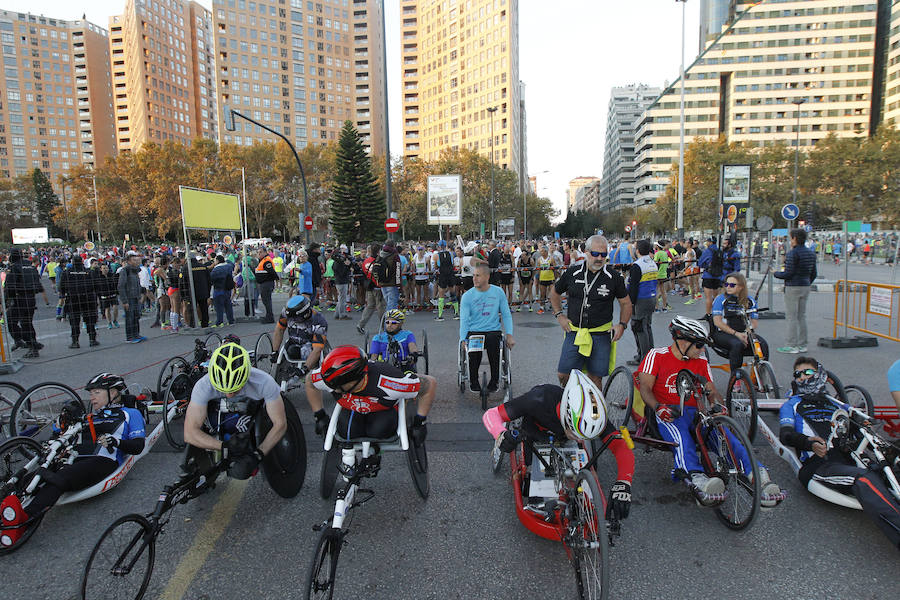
point(357, 203)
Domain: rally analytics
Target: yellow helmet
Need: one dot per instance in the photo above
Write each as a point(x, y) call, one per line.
point(229, 367)
point(395, 314)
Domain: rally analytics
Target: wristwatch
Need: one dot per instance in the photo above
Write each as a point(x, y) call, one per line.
point(623, 324)
point(556, 314)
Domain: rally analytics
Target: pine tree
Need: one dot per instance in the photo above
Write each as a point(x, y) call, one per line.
point(357, 202)
point(45, 198)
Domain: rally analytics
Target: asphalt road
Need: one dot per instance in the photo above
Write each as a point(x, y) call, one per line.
point(465, 540)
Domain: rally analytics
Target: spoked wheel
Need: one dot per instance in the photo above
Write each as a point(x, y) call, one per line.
point(858, 397)
point(212, 341)
point(496, 457)
point(15, 453)
point(9, 393)
point(323, 570)
point(37, 409)
point(328, 473)
point(461, 366)
point(417, 457)
point(834, 387)
point(587, 545)
point(766, 385)
point(176, 398)
point(619, 394)
point(736, 465)
point(172, 367)
point(121, 563)
point(484, 392)
point(740, 400)
point(425, 350)
point(262, 353)
point(506, 366)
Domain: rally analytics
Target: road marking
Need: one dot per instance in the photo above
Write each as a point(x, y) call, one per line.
point(205, 540)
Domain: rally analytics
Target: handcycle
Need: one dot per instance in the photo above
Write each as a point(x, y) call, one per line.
point(408, 362)
point(9, 393)
point(285, 369)
point(352, 460)
point(722, 445)
point(505, 375)
point(121, 563)
point(566, 503)
point(851, 432)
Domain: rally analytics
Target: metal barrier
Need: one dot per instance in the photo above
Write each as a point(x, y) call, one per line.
point(872, 308)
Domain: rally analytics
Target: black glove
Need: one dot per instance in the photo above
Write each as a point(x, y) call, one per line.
point(108, 441)
point(238, 444)
point(619, 500)
point(419, 430)
point(245, 465)
point(322, 421)
point(273, 357)
point(508, 441)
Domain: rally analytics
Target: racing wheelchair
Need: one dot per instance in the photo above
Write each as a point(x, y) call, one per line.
point(406, 362)
point(9, 393)
point(475, 343)
point(286, 371)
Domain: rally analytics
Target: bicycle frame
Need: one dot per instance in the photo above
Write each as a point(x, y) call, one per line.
point(757, 359)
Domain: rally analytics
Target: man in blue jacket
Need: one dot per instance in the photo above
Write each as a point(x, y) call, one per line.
point(799, 272)
point(712, 263)
point(480, 312)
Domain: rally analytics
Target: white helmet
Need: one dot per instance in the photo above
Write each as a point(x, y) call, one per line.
point(684, 328)
point(583, 408)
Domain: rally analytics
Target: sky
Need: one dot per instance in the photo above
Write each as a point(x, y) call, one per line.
point(571, 53)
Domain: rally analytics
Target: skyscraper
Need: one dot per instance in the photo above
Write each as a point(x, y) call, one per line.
point(56, 95)
point(296, 68)
point(460, 59)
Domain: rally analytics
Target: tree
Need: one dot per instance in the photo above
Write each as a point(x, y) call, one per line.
point(357, 203)
point(45, 198)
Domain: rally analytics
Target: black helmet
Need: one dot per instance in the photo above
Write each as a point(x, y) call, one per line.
point(299, 306)
point(105, 381)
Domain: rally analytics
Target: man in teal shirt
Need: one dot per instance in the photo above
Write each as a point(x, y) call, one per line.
point(480, 312)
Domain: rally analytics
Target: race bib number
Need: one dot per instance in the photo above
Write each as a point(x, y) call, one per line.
point(476, 343)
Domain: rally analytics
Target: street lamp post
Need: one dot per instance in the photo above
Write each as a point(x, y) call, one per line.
point(679, 220)
point(797, 103)
point(525, 209)
point(491, 111)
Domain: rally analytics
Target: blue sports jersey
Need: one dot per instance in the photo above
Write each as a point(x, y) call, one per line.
point(121, 422)
point(809, 416)
point(726, 306)
point(381, 341)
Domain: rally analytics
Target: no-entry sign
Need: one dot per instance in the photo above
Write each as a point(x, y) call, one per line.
point(308, 222)
point(392, 225)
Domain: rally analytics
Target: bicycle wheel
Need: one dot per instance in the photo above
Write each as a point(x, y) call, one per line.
point(15, 453)
point(484, 392)
point(121, 562)
point(834, 387)
point(619, 393)
point(262, 353)
point(766, 384)
point(170, 369)
point(328, 473)
point(425, 350)
point(9, 393)
point(322, 571)
point(740, 400)
point(587, 544)
point(212, 341)
point(506, 365)
point(285, 465)
point(176, 398)
point(37, 409)
point(417, 457)
point(461, 366)
point(732, 450)
point(858, 397)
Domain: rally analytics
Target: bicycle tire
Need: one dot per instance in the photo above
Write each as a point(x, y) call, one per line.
point(858, 397)
point(131, 530)
point(591, 564)
point(619, 398)
point(837, 388)
point(216, 340)
point(484, 392)
point(285, 465)
point(766, 384)
point(14, 454)
point(738, 484)
point(506, 365)
point(262, 353)
point(324, 562)
point(328, 472)
point(461, 365)
point(740, 400)
point(9, 393)
point(425, 351)
point(178, 392)
point(171, 368)
point(38, 408)
point(417, 458)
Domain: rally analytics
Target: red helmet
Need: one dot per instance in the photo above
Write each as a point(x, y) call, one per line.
point(343, 365)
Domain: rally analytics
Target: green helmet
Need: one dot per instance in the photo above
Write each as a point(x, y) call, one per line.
point(229, 368)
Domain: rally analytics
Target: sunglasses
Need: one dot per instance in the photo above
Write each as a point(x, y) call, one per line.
point(392, 322)
point(595, 254)
point(731, 285)
point(807, 372)
point(697, 345)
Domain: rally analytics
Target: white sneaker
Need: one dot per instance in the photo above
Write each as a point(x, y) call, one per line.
point(769, 491)
point(709, 486)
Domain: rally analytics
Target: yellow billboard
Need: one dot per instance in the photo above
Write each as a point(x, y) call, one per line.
point(203, 209)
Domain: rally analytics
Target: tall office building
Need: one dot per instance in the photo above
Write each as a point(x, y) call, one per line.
point(55, 96)
point(296, 70)
point(572, 195)
point(626, 104)
point(460, 61)
point(203, 68)
point(714, 15)
point(816, 62)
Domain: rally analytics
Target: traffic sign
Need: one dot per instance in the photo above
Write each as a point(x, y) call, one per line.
point(790, 212)
point(392, 225)
point(89, 246)
point(227, 240)
point(308, 222)
point(732, 213)
point(764, 223)
point(628, 229)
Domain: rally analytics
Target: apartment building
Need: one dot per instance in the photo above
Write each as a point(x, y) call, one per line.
point(55, 95)
point(203, 67)
point(626, 104)
point(295, 68)
point(572, 197)
point(816, 61)
point(460, 79)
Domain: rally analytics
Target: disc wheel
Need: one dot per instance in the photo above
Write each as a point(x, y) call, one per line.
point(176, 398)
point(15, 453)
point(619, 394)
point(212, 341)
point(285, 465)
point(417, 457)
point(587, 544)
point(9, 393)
point(858, 397)
point(170, 369)
point(766, 384)
point(738, 468)
point(328, 473)
point(323, 570)
point(262, 353)
point(121, 562)
point(37, 409)
point(740, 400)
point(425, 350)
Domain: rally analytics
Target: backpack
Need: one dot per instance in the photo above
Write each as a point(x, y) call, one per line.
point(716, 263)
point(384, 270)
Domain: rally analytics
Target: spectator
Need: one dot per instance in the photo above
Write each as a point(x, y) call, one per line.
point(251, 289)
point(200, 276)
point(265, 279)
point(341, 270)
point(799, 272)
point(642, 292)
point(315, 253)
point(374, 299)
point(22, 283)
point(108, 291)
point(304, 275)
point(222, 283)
point(130, 297)
point(388, 274)
point(712, 263)
point(731, 257)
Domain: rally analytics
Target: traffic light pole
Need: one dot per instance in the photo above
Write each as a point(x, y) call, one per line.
point(230, 113)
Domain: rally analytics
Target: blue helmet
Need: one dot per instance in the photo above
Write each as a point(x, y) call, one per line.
point(442, 243)
point(299, 306)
